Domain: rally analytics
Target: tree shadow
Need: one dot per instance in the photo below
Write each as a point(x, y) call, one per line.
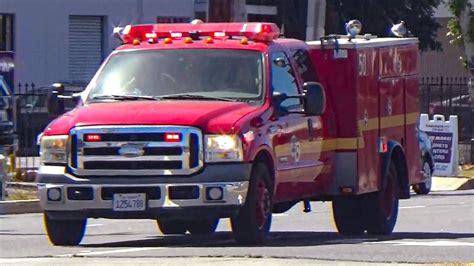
point(277, 239)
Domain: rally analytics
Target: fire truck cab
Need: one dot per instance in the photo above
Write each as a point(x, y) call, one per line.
point(190, 123)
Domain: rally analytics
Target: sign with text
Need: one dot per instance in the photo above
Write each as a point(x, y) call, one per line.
point(444, 143)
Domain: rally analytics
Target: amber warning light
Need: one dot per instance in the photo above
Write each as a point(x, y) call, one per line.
point(172, 137)
point(92, 137)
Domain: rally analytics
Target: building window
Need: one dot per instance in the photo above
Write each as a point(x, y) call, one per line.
point(86, 47)
point(200, 9)
point(6, 32)
point(162, 19)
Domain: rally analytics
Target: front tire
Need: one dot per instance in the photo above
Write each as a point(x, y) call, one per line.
point(381, 207)
point(348, 216)
point(64, 232)
point(425, 187)
point(253, 222)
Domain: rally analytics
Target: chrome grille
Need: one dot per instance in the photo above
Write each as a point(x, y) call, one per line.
point(135, 150)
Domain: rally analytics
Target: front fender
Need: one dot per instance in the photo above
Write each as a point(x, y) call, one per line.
point(396, 154)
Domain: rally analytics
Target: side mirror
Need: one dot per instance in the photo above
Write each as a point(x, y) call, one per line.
point(55, 102)
point(314, 98)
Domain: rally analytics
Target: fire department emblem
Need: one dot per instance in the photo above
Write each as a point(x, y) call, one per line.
point(295, 148)
point(366, 118)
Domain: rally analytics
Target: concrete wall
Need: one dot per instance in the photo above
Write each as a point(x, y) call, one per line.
point(445, 63)
point(41, 29)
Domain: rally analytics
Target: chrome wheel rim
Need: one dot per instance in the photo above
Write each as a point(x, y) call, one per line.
point(427, 175)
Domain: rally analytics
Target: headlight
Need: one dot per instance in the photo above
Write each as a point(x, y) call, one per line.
point(53, 150)
point(223, 148)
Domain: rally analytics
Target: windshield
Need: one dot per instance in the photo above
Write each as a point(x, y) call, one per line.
point(213, 74)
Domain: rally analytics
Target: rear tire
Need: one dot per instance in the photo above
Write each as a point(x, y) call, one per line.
point(172, 227)
point(203, 227)
point(425, 187)
point(253, 222)
point(348, 215)
point(381, 207)
point(64, 232)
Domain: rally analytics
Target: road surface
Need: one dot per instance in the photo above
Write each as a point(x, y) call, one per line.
point(434, 228)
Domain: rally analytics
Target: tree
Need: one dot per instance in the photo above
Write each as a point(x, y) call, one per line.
point(378, 16)
point(461, 32)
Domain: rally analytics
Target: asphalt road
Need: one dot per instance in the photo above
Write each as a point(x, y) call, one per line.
point(435, 228)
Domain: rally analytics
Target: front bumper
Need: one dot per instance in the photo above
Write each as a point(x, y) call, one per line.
point(161, 203)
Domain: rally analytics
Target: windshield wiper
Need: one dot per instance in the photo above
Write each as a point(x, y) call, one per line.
point(194, 96)
point(123, 97)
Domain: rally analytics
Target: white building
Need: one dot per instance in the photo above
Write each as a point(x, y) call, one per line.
point(66, 40)
point(445, 63)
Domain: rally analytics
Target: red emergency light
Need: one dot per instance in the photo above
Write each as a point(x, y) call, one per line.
point(93, 137)
point(172, 137)
point(264, 32)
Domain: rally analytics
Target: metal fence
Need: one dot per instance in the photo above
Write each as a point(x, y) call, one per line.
point(32, 117)
point(440, 95)
point(450, 96)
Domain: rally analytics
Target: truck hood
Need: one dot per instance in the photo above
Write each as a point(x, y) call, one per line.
point(210, 116)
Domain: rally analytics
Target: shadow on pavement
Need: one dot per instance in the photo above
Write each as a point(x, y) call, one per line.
point(278, 239)
point(444, 194)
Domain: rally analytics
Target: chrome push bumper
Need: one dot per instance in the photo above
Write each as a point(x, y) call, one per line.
point(175, 196)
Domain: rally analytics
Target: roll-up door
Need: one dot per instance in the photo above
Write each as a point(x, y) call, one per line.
point(85, 47)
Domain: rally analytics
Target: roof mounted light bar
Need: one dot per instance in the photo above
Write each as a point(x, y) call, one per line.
point(263, 32)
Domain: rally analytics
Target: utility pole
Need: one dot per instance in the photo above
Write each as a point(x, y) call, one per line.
point(466, 17)
point(316, 19)
point(139, 11)
point(240, 11)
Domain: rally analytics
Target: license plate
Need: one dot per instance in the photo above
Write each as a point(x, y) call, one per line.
point(129, 202)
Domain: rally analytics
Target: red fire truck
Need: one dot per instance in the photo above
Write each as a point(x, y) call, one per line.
point(190, 123)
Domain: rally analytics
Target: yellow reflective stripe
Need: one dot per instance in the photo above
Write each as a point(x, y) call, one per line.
point(412, 118)
point(353, 143)
point(341, 144)
point(392, 121)
point(388, 121)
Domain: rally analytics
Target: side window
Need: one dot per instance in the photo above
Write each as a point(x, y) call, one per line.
point(305, 66)
point(283, 80)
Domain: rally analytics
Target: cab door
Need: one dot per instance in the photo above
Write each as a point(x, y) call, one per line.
point(289, 129)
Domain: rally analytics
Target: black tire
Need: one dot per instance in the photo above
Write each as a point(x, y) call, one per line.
point(253, 222)
point(173, 227)
point(203, 227)
point(64, 232)
point(424, 187)
point(348, 216)
point(381, 208)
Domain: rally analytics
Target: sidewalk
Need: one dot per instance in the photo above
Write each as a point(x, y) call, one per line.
point(452, 183)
